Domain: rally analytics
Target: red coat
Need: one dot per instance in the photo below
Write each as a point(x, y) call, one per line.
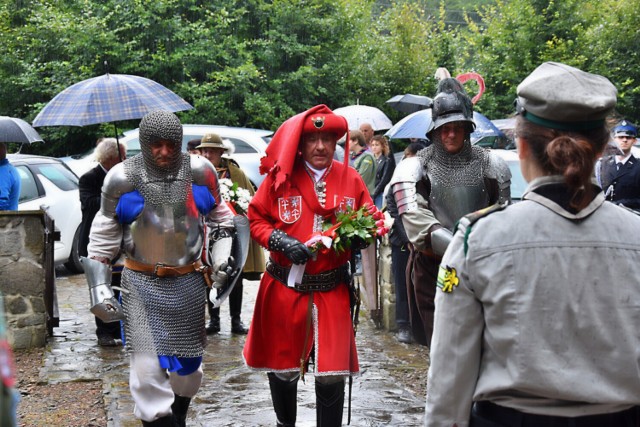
point(277, 333)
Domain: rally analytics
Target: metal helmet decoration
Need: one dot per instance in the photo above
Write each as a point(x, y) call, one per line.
point(451, 104)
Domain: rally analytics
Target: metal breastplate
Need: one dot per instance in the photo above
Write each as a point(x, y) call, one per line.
point(167, 235)
point(457, 184)
point(449, 204)
point(169, 229)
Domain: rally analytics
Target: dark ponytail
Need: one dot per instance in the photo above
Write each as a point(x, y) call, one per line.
point(570, 154)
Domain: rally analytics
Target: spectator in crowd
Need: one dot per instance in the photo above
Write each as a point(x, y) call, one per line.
point(363, 160)
point(9, 182)
point(212, 148)
point(192, 147)
point(531, 327)
point(108, 153)
point(384, 167)
point(367, 132)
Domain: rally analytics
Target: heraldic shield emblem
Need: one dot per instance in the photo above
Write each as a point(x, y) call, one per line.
point(290, 208)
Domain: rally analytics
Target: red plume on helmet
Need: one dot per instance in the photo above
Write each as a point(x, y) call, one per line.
point(283, 148)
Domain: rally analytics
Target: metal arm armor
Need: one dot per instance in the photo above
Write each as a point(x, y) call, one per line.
point(403, 184)
point(499, 171)
point(115, 185)
point(204, 173)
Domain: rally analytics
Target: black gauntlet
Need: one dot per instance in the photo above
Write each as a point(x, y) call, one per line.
point(292, 248)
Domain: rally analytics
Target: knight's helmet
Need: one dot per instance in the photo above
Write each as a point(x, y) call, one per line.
point(158, 125)
point(451, 104)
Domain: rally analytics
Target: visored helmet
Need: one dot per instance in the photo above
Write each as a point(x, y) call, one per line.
point(451, 104)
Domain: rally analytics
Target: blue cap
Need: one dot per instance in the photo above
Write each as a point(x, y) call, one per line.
point(625, 129)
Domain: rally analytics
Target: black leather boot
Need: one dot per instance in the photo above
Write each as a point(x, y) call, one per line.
point(235, 308)
point(165, 421)
point(213, 327)
point(179, 408)
point(329, 404)
point(284, 395)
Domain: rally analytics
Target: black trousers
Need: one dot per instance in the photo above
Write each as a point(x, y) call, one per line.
point(487, 414)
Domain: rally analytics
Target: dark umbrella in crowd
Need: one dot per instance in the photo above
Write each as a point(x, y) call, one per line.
point(409, 103)
point(17, 130)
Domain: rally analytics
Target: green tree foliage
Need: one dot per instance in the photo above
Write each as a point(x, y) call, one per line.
point(255, 63)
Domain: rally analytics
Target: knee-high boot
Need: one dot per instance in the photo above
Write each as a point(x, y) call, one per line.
point(160, 422)
point(329, 404)
point(214, 316)
point(284, 395)
point(235, 309)
point(179, 408)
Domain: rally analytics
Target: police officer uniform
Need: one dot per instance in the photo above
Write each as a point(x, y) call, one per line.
point(620, 175)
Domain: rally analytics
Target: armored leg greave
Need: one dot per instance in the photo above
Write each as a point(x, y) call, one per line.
point(284, 396)
point(329, 404)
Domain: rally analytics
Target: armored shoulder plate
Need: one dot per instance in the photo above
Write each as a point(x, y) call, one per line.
point(115, 185)
point(498, 169)
point(403, 184)
point(201, 170)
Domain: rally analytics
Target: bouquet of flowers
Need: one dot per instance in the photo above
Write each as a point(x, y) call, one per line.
point(364, 224)
point(238, 198)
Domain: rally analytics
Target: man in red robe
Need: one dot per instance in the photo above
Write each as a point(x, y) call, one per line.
point(294, 323)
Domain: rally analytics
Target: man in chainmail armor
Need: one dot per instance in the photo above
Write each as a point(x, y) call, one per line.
point(155, 205)
point(444, 182)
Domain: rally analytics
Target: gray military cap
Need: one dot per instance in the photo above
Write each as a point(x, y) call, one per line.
point(561, 97)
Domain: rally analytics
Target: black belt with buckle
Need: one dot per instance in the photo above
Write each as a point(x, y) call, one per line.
point(311, 282)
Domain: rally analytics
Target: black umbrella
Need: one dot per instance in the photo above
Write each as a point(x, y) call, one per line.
point(17, 130)
point(409, 103)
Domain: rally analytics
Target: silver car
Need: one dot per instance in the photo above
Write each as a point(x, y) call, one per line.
point(48, 184)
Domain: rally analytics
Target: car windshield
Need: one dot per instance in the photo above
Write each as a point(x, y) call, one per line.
point(58, 174)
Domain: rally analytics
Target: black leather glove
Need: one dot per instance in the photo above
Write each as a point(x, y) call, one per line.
point(291, 247)
point(358, 243)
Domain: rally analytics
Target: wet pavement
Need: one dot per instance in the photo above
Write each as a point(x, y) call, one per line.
point(231, 394)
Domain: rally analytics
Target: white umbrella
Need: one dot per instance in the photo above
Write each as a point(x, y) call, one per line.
point(359, 114)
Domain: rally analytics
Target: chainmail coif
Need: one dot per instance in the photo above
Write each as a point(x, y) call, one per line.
point(465, 168)
point(161, 185)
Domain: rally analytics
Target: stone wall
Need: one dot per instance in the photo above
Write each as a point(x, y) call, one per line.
point(22, 277)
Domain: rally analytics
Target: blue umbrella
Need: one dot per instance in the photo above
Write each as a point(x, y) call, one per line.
point(108, 98)
point(415, 126)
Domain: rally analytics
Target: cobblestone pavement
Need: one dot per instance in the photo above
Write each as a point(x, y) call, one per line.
point(231, 394)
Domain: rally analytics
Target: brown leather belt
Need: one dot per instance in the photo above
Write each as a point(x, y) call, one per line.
point(311, 282)
point(162, 270)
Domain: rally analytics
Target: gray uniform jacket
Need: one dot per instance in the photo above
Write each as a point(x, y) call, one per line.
point(543, 314)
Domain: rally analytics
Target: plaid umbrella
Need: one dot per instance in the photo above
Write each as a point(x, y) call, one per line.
point(108, 98)
point(17, 130)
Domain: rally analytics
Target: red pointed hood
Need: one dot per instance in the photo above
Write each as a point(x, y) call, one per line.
point(282, 150)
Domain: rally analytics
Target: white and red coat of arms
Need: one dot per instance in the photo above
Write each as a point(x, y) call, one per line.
point(290, 209)
point(345, 203)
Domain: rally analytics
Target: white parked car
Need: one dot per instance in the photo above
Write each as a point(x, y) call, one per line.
point(250, 145)
point(48, 184)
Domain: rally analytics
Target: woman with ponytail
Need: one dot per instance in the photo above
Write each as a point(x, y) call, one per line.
point(538, 307)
